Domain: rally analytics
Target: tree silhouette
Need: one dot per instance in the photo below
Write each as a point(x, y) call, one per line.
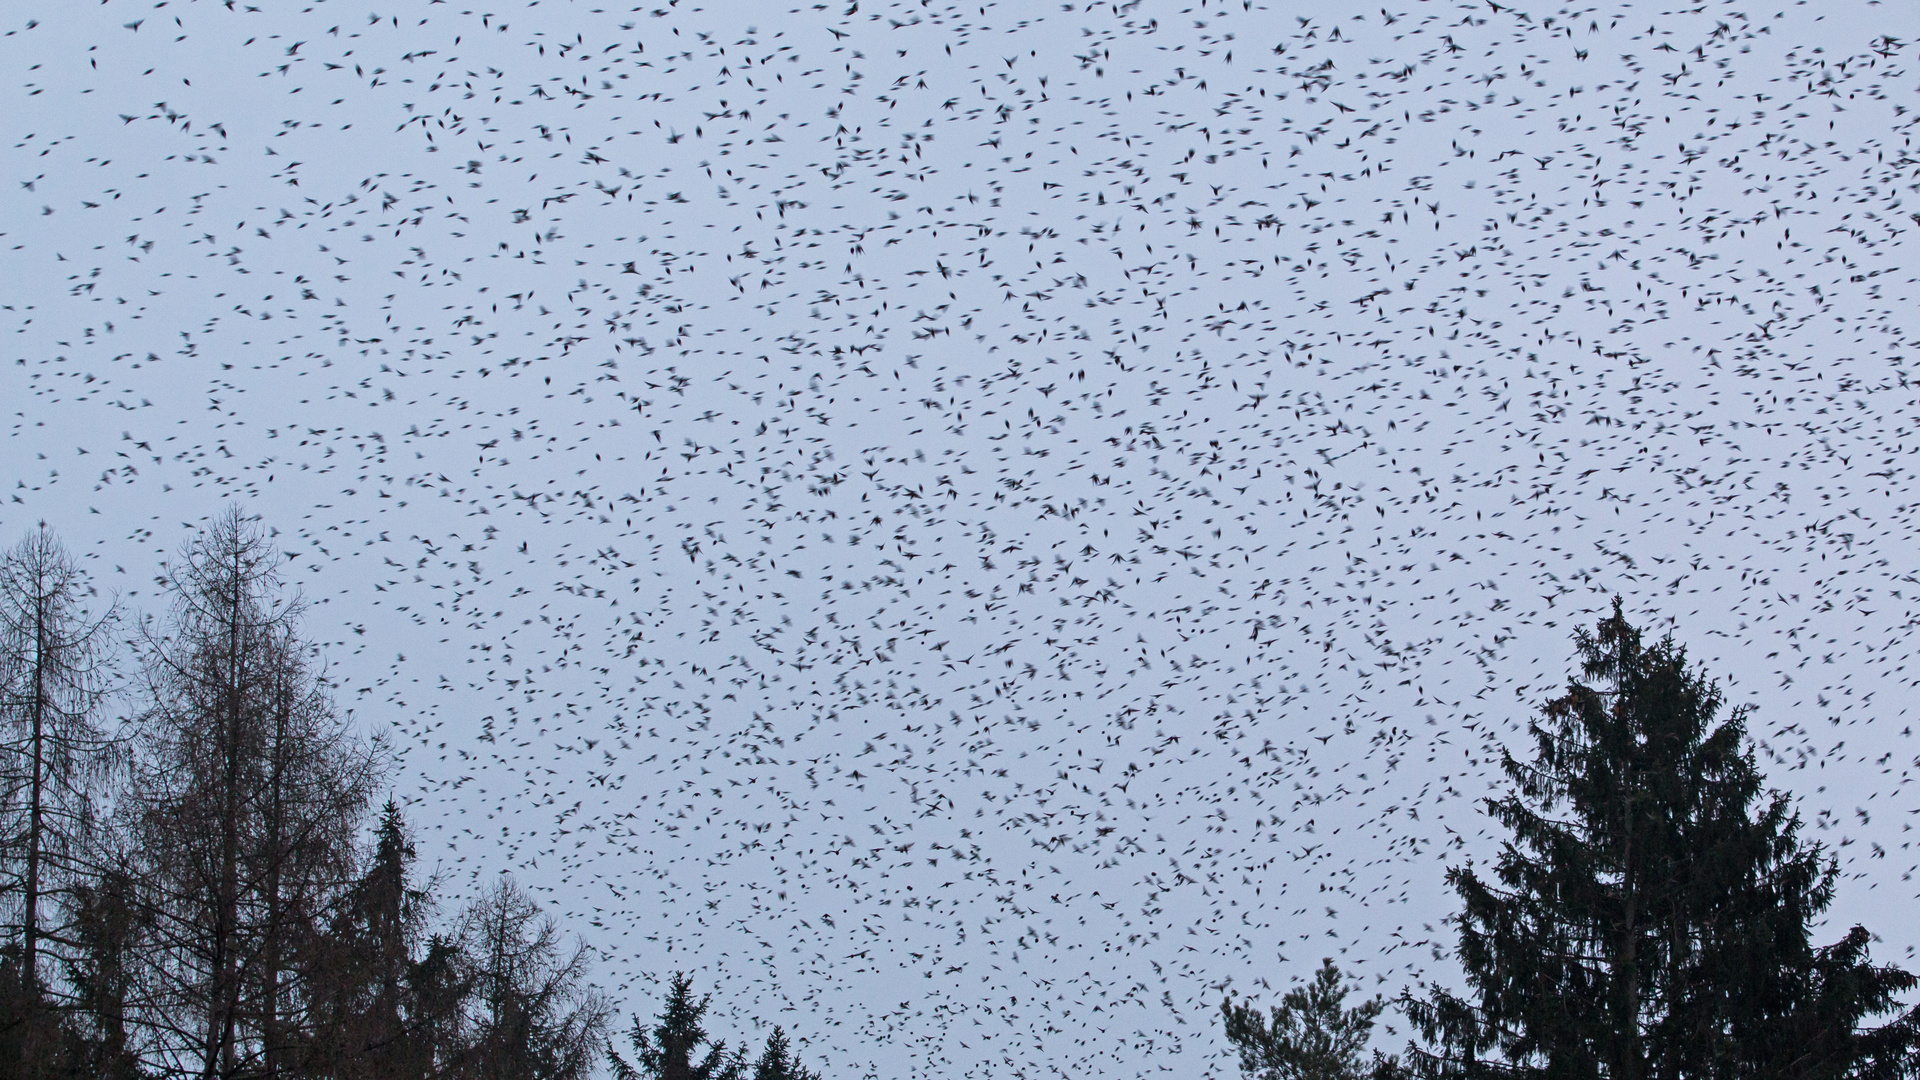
point(533, 1014)
point(54, 753)
point(1310, 1035)
point(244, 809)
point(777, 1062)
point(1650, 915)
point(668, 1050)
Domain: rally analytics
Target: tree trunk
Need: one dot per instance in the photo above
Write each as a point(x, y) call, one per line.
point(1627, 1025)
point(272, 1044)
point(250, 797)
point(224, 1002)
point(37, 706)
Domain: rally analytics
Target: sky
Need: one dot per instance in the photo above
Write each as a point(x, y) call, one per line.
point(979, 531)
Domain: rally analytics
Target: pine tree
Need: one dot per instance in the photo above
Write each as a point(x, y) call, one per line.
point(1310, 1035)
point(777, 1061)
point(669, 1050)
point(1650, 917)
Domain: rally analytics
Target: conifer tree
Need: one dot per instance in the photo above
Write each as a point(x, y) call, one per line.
point(777, 1061)
point(105, 925)
point(54, 753)
point(671, 1048)
point(379, 1006)
point(1310, 1035)
point(534, 1016)
point(1650, 916)
point(437, 1033)
point(244, 809)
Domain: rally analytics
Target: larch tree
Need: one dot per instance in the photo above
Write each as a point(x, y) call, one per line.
point(1651, 915)
point(533, 1015)
point(318, 780)
point(245, 806)
point(54, 752)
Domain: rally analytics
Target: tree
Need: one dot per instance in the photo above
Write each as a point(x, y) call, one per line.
point(438, 987)
point(106, 926)
point(777, 1062)
point(316, 784)
point(1650, 916)
point(533, 1015)
point(671, 1049)
point(668, 1051)
point(386, 999)
point(53, 675)
point(245, 805)
point(1310, 1035)
point(53, 755)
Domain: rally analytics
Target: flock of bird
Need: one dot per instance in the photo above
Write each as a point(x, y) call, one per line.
point(981, 529)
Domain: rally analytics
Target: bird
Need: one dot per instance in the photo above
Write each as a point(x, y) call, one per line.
point(1045, 467)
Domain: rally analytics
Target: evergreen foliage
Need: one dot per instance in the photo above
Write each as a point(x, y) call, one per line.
point(376, 998)
point(669, 1049)
point(678, 1047)
point(101, 975)
point(1651, 915)
point(242, 914)
point(777, 1062)
point(1310, 1035)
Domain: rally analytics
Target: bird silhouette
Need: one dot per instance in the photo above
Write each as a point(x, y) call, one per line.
point(1048, 465)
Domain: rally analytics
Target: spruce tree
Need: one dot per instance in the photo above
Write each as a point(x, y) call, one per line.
point(371, 1017)
point(777, 1061)
point(670, 1050)
point(1651, 915)
point(1311, 1035)
point(105, 921)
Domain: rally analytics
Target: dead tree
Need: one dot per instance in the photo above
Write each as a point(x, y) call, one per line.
point(246, 802)
point(54, 672)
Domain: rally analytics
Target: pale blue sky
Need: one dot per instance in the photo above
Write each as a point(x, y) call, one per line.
point(976, 528)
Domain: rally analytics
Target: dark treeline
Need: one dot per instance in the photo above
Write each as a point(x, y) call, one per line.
point(199, 881)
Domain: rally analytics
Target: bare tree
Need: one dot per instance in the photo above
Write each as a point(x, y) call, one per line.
point(534, 1015)
point(318, 783)
point(54, 672)
point(246, 802)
